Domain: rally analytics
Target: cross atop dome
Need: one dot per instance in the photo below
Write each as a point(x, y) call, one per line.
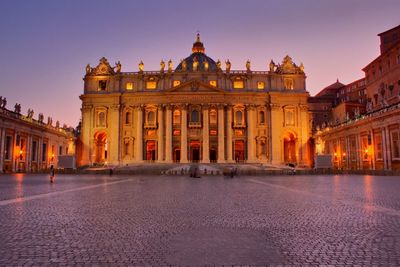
point(198, 46)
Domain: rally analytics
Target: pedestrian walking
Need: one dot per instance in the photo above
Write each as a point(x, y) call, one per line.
point(51, 174)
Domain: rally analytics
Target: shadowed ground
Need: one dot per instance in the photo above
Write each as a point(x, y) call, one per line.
point(167, 220)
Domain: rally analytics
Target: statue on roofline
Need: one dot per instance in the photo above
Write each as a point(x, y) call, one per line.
point(162, 65)
point(141, 66)
point(118, 66)
point(170, 66)
point(248, 65)
point(228, 65)
point(218, 64)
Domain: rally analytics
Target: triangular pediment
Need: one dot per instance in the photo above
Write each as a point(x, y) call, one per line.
point(195, 86)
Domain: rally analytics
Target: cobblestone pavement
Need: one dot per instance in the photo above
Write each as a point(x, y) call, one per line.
point(166, 220)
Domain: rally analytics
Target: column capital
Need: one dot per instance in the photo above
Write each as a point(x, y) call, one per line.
point(274, 106)
point(250, 106)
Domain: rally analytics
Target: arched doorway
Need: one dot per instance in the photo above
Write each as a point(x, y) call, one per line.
point(289, 148)
point(213, 154)
point(100, 147)
point(177, 154)
point(195, 151)
point(239, 150)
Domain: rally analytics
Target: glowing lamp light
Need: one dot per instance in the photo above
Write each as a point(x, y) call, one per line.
point(344, 154)
point(20, 154)
point(335, 154)
point(366, 150)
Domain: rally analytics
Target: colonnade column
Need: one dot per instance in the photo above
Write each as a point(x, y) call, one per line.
point(139, 135)
point(250, 134)
point(2, 150)
point(168, 134)
point(387, 149)
point(206, 138)
point(160, 141)
point(221, 134)
point(384, 155)
point(229, 134)
point(184, 136)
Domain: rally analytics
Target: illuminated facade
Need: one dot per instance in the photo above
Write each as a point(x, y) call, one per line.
point(366, 133)
point(197, 112)
point(31, 145)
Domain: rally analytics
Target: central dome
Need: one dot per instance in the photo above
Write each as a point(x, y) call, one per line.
point(199, 56)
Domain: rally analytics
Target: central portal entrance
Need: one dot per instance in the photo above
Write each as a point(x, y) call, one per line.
point(151, 150)
point(195, 150)
point(239, 150)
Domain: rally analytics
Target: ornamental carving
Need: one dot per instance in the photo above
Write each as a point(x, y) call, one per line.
point(288, 67)
point(103, 68)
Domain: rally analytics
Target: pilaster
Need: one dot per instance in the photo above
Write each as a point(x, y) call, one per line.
point(168, 134)
point(221, 134)
point(229, 156)
point(139, 134)
point(184, 151)
point(160, 136)
point(206, 138)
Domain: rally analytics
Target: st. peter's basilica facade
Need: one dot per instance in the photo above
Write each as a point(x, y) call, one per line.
point(197, 112)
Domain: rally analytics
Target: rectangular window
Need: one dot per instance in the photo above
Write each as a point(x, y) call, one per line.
point(8, 148)
point(129, 86)
point(151, 85)
point(60, 150)
point(176, 83)
point(378, 146)
point(44, 152)
point(396, 145)
point(34, 150)
point(260, 85)
point(102, 85)
point(289, 117)
point(213, 132)
point(238, 84)
point(177, 132)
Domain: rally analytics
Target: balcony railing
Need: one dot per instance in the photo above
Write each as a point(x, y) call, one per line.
point(193, 124)
point(151, 125)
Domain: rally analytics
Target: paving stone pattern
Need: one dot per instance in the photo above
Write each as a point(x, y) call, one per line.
point(85, 220)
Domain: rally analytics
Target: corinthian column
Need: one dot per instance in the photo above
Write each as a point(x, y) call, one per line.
point(168, 135)
point(160, 145)
point(221, 135)
point(139, 135)
point(229, 134)
point(206, 137)
point(251, 148)
point(184, 136)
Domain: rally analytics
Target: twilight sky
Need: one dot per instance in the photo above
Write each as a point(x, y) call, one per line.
point(45, 45)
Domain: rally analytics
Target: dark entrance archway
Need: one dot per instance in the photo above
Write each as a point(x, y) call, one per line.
point(213, 154)
point(289, 148)
point(151, 150)
point(177, 154)
point(239, 150)
point(100, 147)
point(195, 150)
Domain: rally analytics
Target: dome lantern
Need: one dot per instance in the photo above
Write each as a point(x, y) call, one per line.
point(198, 46)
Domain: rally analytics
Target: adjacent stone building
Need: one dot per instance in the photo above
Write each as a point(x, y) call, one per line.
point(364, 132)
point(31, 145)
point(196, 112)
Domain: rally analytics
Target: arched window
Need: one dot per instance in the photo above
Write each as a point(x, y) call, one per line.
point(151, 117)
point(261, 116)
point(128, 116)
point(101, 119)
point(195, 116)
point(238, 117)
point(213, 116)
point(177, 117)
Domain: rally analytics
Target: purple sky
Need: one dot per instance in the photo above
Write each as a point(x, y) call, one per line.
point(45, 45)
